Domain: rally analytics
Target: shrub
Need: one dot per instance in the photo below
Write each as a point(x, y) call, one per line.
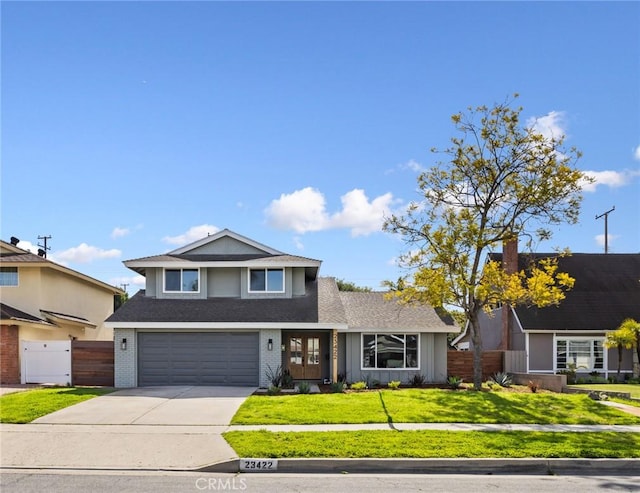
point(274, 376)
point(274, 390)
point(338, 387)
point(358, 385)
point(394, 384)
point(502, 378)
point(287, 380)
point(533, 386)
point(304, 387)
point(454, 382)
point(417, 380)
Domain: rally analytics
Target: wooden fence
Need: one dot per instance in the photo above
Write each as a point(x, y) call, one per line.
point(92, 363)
point(460, 364)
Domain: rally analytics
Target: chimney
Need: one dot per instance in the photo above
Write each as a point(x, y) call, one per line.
point(510, 265)
point(14, 241)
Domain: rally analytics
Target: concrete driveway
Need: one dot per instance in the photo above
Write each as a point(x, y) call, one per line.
point(146, 428)
point(173, 406)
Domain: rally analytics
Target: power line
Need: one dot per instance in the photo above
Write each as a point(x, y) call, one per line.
point(606, 227)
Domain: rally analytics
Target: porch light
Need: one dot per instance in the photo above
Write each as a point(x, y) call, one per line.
point(123, 344)
point(270, 345)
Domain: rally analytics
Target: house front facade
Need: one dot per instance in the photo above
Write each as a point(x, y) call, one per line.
point(44, 306)
point(227, 310)
point(571, 335)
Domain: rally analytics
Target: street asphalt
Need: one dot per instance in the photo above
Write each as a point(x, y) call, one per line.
point(180, 428)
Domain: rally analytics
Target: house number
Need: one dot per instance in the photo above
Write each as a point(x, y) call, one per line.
point(258, 465)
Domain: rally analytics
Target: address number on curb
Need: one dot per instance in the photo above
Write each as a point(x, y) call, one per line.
point(258, 465)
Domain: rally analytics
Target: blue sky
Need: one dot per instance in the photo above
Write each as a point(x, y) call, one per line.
point(131, 128)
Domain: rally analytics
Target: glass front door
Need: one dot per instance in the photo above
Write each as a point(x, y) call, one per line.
point(303, 356)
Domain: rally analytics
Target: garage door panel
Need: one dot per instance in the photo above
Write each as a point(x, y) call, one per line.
point(198, 358)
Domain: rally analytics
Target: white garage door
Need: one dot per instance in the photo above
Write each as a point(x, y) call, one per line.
point(46, 362)
point(198, 358)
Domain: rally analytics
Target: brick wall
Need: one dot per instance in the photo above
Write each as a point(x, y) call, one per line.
point(460, 364)
point(271, 359)
point(126, 370)
point(9, 359)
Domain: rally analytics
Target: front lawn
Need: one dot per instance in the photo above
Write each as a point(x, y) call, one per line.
point(434, 444)
point(428, 406)
point(24, 407)
point(630, 388)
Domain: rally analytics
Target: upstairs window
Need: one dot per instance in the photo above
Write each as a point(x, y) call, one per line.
point(8, 276)
point(266, 280)
point(182, 280)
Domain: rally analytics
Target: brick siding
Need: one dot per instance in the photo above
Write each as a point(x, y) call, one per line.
point(9, 359)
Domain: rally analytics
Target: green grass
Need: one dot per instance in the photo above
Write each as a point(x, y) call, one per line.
point(428, 406)
point(434, 444)
point(630, 388)
point(24, 407)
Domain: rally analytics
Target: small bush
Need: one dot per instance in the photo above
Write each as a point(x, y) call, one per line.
point(503, 379)
point(394, 384)
point(533, 386)
point(274, 376)
point(338, 387)
point(274, 390)
point(359, 385)
point(454, 382)
point(304, 388)
point(417, 380)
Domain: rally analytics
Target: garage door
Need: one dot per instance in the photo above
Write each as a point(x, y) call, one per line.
point(198, 358)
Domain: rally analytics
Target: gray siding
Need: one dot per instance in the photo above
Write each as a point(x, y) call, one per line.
point(433, 360)
point(224, 246)
point(223, 282)
point(150, 283)
point(298, 281)
point(627, 360)
point(541, 352)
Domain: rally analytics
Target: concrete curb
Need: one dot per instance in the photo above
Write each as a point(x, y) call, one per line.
point(585, 467)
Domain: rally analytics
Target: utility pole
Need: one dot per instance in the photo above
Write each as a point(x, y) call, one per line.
point(124, 286)
point(45, 248)
point(606, 227)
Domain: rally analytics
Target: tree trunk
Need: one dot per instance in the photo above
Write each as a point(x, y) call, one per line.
point(476, 339)
point(619, 358)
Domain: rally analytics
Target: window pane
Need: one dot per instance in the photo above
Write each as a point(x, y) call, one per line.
point(313, 351)
point(190, 280)
point(257, 281)
point(275, 280)
point(412, 351)
point(8, 276)
point(561, 355)
point(390, 351)
point(368, 351)
point(598, 354)
point(295, 350)
point(172, 280)
point(580, 354)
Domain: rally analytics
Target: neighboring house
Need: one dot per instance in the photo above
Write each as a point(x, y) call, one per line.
point(43, 307)
point(606, 291)
point(226, 310)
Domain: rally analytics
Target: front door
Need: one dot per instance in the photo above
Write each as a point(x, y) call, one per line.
point(303, 356)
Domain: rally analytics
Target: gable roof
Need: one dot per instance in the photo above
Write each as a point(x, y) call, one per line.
point(13, 256)
point(606, 291)
point(196, 255)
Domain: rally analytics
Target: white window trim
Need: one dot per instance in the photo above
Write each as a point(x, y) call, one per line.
point(181, 269)
point(605, 362)
point(265, 269)
point(375, 334)
point(17, 284)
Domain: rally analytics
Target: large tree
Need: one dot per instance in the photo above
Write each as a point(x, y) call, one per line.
point(501, 181)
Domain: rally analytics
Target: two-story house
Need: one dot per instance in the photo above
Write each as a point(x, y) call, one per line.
point(44, 306)
point(225, 310)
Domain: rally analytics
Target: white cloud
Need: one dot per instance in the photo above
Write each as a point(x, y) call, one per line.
point(610, 178)
point(413, 166)
point(297, 241)
point(84, 254)
point(305, 210)
point(193, 234)
point(131, 281)
point(636, 153)
point(610, 238)
point(302, 211)
point(552, 125)
point(28, 246)
point(119, 232)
